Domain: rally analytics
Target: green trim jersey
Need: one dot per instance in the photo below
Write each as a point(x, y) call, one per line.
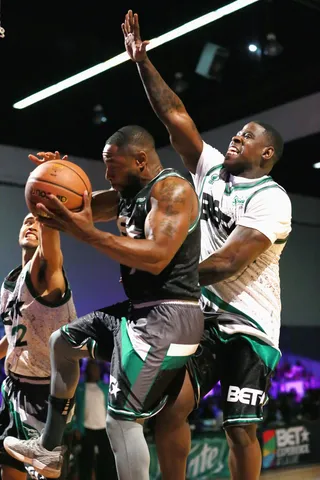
point(249, 302)
point(29, 321)
point(180, 279)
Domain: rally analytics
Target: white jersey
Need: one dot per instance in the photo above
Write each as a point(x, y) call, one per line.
point(29, 321)
point(251, 299)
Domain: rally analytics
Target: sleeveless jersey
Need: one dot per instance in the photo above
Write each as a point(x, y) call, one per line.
point(29, 321)
point(179, 280)
point(249, 302)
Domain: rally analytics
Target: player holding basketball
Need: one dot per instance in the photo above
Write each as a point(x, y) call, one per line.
point(245, 222)
point(157, 331)
point(35, 301)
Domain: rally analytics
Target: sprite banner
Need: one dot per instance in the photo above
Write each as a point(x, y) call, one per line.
point(208, 458)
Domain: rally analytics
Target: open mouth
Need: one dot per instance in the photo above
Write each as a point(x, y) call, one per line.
point(31, 236)
point(233, 151)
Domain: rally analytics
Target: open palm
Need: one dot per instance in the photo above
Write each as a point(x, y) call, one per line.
point(135, 47)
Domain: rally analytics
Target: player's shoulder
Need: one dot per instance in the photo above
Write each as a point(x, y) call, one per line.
point(211, 151)
point(172, 182)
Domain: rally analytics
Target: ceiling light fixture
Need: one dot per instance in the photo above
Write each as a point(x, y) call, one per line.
point(123, 57)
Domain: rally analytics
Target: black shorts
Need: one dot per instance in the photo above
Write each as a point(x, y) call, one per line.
point(149, 343)
point(23, 413)
point(244, 376)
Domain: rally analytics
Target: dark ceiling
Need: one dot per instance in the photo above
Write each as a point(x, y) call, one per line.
point(48, 41)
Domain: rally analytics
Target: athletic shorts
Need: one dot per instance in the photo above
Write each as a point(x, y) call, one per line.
point(244, 376)
point(23, 412)
point(148, 345)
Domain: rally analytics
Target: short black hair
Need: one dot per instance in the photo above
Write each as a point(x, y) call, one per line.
point(274, 138)
point(132, 135)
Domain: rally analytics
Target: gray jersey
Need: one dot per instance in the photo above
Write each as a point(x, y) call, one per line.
point(29, 321)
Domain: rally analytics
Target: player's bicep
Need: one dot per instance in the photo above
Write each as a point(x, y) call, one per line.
point(243, 247)
point(168, 222)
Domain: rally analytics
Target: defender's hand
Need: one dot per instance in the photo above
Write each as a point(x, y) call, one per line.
point(45, 157)
point(135, 47)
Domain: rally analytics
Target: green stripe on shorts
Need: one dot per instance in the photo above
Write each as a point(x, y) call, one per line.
point(132, 364)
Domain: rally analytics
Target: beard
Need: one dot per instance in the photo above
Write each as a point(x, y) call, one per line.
point(132, 188)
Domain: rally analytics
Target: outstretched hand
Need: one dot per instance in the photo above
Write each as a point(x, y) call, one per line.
point(46, 157)
point(57, 216)
point(135, 47)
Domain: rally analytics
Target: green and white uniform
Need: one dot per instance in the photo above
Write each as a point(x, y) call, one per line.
point(248, 304)
point(28, 322)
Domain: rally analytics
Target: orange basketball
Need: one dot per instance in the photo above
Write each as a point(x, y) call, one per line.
point(66, 180)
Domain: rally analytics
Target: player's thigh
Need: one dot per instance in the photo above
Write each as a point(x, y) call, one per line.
point(9, 473)
point(245, 380)
point(95, 331)
point(151, 348)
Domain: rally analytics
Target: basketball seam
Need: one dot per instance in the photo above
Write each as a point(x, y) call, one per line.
point(55, 184)
point(68, 166)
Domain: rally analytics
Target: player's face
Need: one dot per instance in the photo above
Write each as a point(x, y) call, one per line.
point(29, 232)
point(245, 149)
point(122, 170)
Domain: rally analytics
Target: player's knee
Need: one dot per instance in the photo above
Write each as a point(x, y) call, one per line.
point(58, 344)
point(241, 435)
point(175, 414)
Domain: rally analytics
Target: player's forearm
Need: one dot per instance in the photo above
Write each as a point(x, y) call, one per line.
point(3, 347)
point(140, 254)
point(104, 205)
point(215, 269)
point(163, 100)
point(50, 247)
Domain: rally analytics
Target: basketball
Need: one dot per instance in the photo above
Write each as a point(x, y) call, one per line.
point(64, 179)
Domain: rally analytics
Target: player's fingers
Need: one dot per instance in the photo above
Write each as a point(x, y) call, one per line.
point(143, 46)
point(130, 14)
point(65, 157)
point(124, 31)
point(127, 24)
point(86, 200)
point(136, 27)
point(57, 155)
point(35, 159)
point(56, 207)
point(43, 211)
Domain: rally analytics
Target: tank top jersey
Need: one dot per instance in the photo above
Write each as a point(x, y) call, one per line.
point(179, 280)
point(28, 322)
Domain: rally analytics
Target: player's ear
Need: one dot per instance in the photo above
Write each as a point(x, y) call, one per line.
point(141, 160)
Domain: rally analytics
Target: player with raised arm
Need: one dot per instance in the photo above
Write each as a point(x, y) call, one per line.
point(35, 300)
point(245, 223)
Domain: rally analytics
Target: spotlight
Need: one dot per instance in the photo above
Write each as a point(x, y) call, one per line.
point(272, 47)
point(252, 48)
point(316, 165)
point(179, 85)
point(99, 115)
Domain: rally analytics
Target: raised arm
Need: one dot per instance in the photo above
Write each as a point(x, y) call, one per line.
point(174, 208)
point(184, 135)
point(46, 268)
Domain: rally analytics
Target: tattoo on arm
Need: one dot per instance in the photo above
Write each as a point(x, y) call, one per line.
point(174, 198)
point(161, 97)
point(168, 227)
